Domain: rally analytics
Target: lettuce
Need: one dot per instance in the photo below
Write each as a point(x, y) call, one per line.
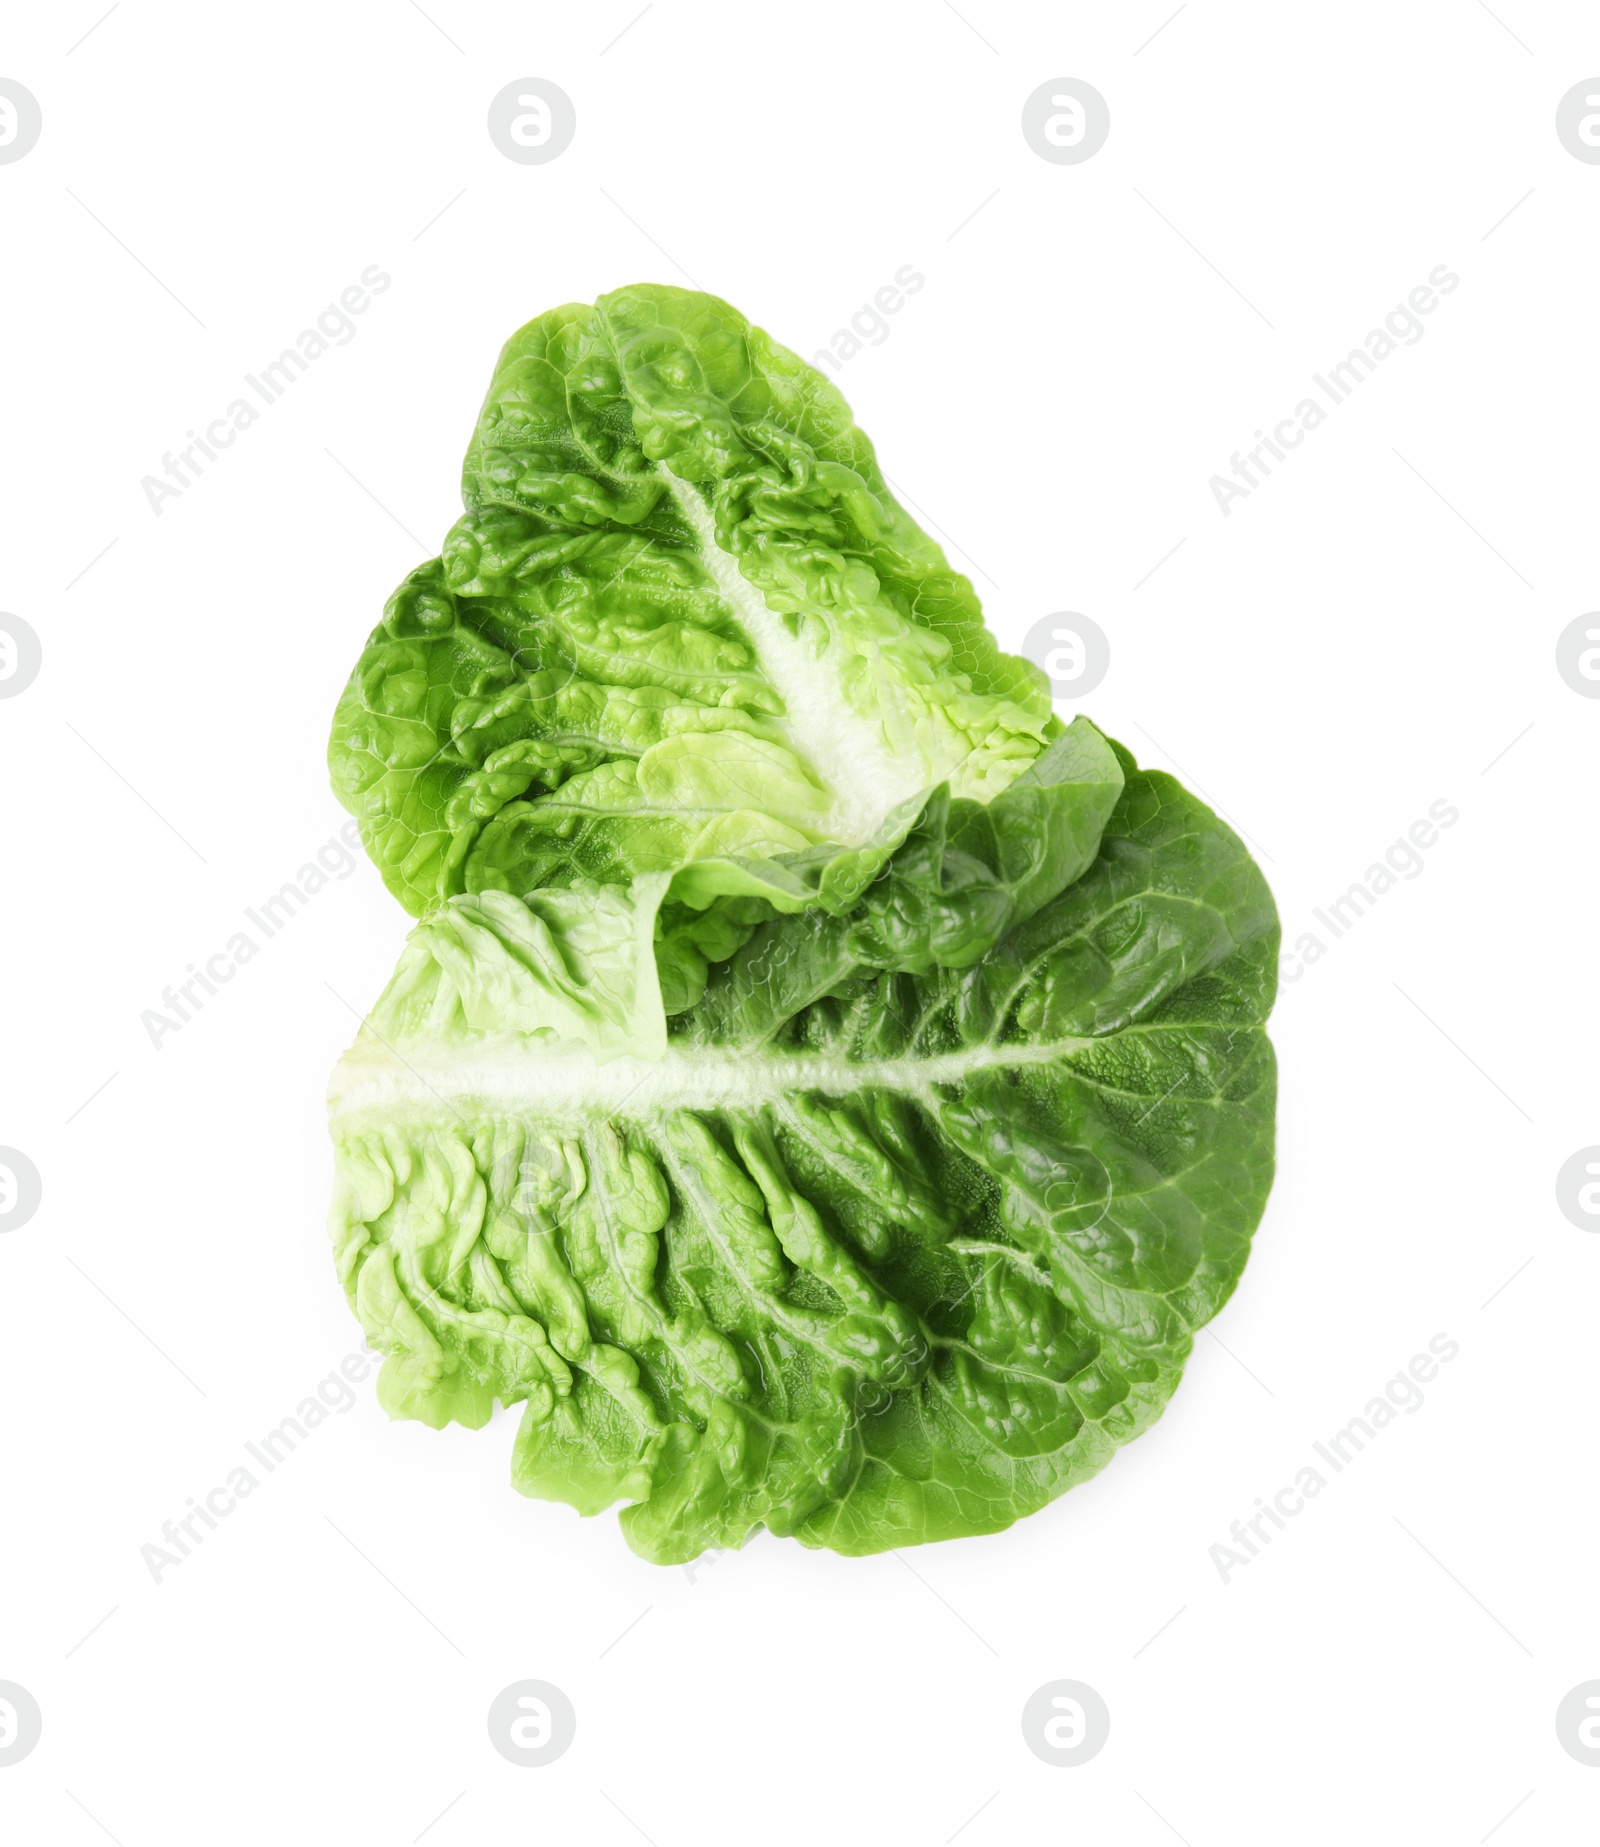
point(824, 1090)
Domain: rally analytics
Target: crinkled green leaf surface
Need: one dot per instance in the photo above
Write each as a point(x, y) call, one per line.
point(826, 1093)
point(683, 625)
point(902, 1264)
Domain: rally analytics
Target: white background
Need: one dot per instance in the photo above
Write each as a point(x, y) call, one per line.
point(1371, 631)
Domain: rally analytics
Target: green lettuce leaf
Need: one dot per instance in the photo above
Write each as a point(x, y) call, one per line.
point(682, 626)
point(902, 1263)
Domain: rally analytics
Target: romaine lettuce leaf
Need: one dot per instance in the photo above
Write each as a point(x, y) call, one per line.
point(683, 625)
point(901, 1264)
